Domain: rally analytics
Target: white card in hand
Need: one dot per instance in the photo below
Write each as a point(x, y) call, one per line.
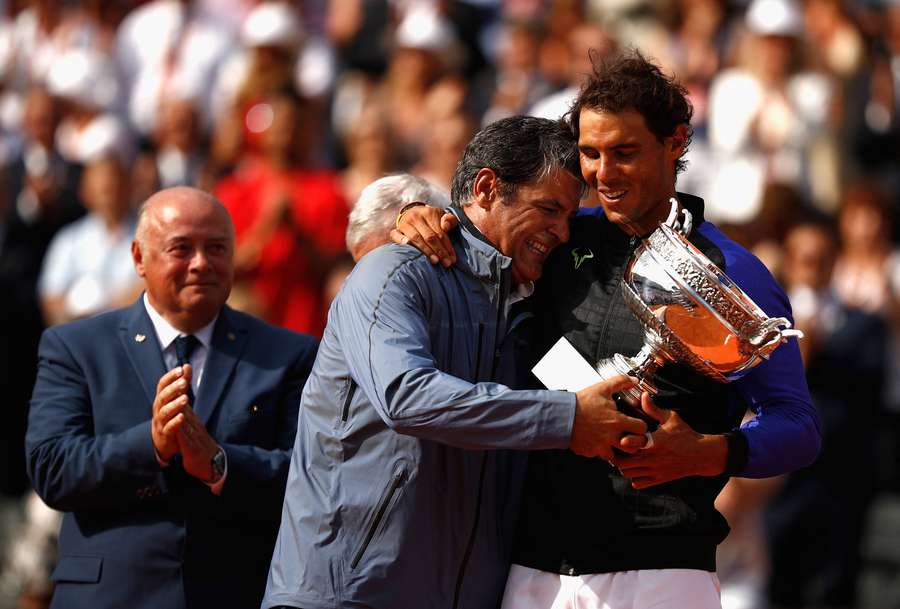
point(562, 367)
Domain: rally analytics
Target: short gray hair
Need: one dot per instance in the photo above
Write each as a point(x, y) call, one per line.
point(376, 209)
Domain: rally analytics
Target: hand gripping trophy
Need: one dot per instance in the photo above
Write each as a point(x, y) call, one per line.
point(691, 312)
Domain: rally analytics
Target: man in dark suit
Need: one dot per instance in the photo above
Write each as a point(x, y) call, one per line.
point(164, 429)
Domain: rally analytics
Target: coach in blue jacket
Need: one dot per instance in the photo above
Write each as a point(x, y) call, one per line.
point(163, 430)
point(398, 495)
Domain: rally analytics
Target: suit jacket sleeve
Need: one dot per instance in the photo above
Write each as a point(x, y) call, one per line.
point(72, 467)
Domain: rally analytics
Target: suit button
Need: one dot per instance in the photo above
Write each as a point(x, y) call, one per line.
point(254, 408)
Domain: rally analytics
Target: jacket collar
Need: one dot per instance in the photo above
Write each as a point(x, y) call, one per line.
point(228, 341)
point(694, 205)
point(475, 252)
point(139, 341)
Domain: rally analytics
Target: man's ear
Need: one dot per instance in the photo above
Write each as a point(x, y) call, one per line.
point(678, 141)
point(484, 191)
point(138, 257)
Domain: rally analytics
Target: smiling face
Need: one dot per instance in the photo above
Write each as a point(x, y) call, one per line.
point(529, 224)
point(184, 252)
point(632, 171)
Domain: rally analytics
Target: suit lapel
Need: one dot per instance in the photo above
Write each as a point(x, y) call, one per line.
point(228, 340)
point(142, 347)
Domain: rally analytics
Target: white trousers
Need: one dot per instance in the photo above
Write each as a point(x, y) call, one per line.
point(528, 588)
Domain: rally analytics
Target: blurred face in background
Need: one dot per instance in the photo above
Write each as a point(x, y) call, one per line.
point(178, 125)
point(772, 56)
point(862, 220)
point(809, 254)
point(40, 118)
point(103, 189)
point(282, 141)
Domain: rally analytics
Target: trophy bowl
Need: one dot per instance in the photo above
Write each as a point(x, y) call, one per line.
point(692, 313)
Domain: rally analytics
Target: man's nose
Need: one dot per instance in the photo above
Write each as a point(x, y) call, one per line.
point(199, 259)
point(605, 169)
point(560, 229)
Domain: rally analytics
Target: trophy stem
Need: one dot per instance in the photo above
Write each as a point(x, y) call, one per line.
point(645, 364)
point(641, 367)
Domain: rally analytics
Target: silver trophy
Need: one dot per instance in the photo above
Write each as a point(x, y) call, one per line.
point(691, 312)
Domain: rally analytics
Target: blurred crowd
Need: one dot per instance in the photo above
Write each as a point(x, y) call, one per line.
point(287, 110)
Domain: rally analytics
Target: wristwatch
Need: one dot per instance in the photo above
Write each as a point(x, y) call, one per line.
point(218, 465)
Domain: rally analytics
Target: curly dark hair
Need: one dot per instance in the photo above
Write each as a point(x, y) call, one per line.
point(519, 149)
point(630, 82)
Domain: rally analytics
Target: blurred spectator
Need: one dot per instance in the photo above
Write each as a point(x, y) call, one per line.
point(424, 44)
point(91, 24)
point(871, 109)
point(85, 83)
point(357, 28)
point(28, 47)
point(290, 222)
point(37, 198)
point(32, 556)
point(168, 48)
point(174, 155)
point(585, 42)
point(88, 267)
point(742, 560)
point(518, 83)
point(368, 150)
point(277, 54)
point(867, 272)
point(451, 128)
point(815, 522)
point(766, 115)
point(838, 41)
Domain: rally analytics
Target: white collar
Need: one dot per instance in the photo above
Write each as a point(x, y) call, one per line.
point(520, 292)
point(166, 334)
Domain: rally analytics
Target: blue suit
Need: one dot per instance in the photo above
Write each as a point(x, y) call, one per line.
point(139, 536)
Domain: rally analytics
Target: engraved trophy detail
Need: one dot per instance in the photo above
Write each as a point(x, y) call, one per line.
point(691, 312)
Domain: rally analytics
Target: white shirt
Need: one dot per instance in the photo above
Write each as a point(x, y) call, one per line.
point(88, 265)
point(166, 335)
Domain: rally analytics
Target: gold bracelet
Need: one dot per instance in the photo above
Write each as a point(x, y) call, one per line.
point(405, 209)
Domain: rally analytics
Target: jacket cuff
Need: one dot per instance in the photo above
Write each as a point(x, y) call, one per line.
point(738, 453)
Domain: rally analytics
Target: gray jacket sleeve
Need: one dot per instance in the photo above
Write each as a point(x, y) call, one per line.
point(384, 333)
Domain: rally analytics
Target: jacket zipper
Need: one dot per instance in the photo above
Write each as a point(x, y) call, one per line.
point(617, 293)
point(379, 516)
point(470, 545)
point(345, 409)
point(478, 352)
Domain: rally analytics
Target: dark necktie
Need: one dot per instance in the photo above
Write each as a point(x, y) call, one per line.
point(184, 347)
